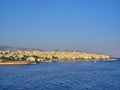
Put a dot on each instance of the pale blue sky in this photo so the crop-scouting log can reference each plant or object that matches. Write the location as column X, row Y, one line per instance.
column 86, row 25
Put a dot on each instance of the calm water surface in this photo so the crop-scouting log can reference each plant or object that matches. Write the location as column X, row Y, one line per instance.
column 62, row 76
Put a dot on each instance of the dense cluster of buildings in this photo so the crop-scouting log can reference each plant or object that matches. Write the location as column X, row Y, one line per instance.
column 49, row 56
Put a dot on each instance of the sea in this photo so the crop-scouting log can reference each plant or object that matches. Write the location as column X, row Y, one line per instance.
column 103, row 75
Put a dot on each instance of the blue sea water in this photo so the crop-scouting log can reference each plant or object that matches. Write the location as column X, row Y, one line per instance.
column 62, row 76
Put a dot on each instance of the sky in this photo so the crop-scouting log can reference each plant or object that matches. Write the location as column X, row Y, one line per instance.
column 85, row 25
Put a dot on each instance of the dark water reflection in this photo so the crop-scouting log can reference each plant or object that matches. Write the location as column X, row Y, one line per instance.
column 62, row 76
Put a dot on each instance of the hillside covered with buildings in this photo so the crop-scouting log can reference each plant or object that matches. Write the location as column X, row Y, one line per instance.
column 49, row 56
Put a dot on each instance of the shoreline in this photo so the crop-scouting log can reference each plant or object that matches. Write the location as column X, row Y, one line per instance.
column 21, row 63
column 16, row 63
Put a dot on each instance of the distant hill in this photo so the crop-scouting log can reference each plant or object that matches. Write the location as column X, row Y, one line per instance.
column 18, row 48
column 4, row 47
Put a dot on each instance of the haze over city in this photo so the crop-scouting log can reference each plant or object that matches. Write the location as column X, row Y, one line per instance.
column 86, row 25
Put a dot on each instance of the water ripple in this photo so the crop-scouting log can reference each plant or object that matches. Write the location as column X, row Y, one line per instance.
column 61, row 76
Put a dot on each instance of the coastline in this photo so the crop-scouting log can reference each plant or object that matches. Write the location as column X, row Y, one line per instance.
column 21, row 63
column 8, row 58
